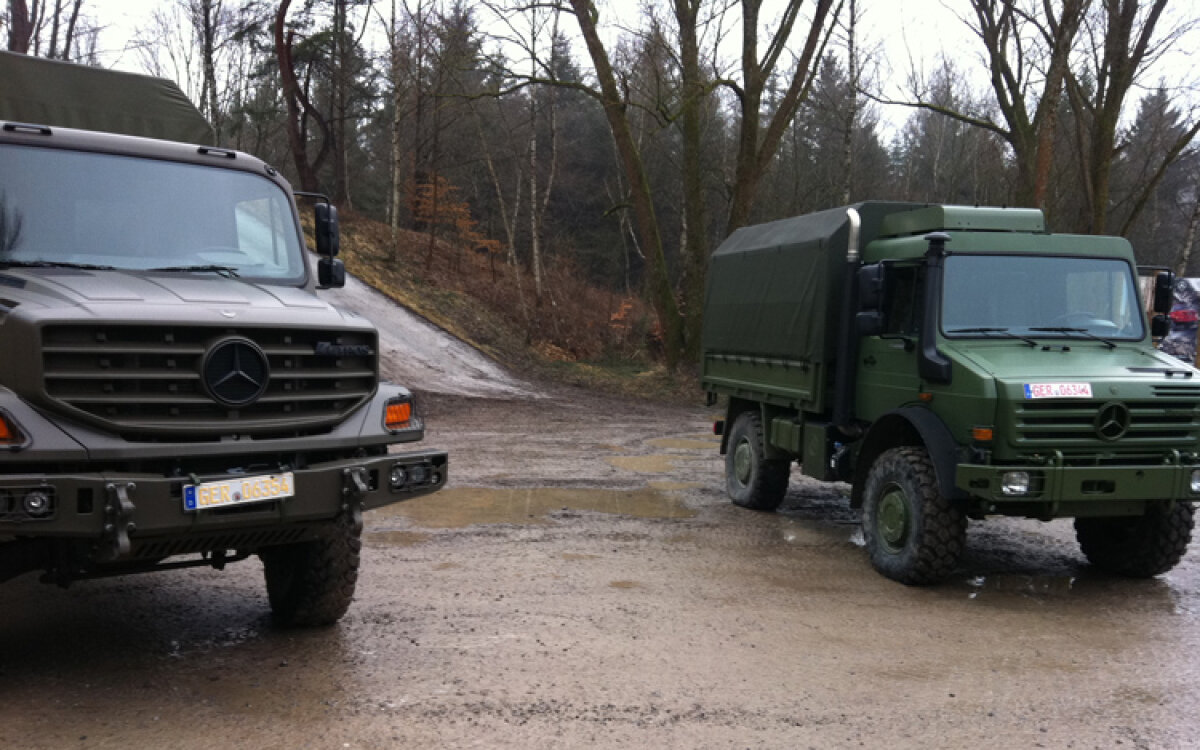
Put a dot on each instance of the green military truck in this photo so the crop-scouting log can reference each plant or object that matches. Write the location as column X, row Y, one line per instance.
column 173, row 392
column 953, row 363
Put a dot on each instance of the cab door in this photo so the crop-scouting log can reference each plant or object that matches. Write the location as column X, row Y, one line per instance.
column 887, row 364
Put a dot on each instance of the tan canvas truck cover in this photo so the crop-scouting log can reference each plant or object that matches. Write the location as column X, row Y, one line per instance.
column 48, row 92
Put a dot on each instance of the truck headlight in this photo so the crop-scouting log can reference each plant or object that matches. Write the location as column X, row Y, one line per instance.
column 1017, row 482
column 1195, row 481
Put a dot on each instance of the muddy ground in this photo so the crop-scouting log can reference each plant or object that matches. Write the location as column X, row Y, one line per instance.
column 585, row 583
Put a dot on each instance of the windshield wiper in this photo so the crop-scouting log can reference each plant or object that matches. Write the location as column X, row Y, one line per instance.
column 1004, row 331
column 228, row 272
column 53, row 264
column 1084, row 331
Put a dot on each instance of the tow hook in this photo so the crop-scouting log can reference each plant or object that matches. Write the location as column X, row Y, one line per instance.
column 118, row 520
column 354, row 488
column 355, row 485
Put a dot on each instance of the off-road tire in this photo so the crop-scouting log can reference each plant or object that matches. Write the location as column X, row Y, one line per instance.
column 1138, row 546
column 913, row 534
column 311, row 584
column 751, row 480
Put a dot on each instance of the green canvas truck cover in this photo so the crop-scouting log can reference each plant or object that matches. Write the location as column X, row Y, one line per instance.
column 38, row 91
column 774, row 290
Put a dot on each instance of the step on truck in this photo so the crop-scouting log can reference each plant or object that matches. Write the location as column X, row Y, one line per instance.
column 953, row 363
column 173, row 392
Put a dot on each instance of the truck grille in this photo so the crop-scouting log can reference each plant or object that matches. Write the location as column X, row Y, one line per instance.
column 1138, row 425
column 159, row 382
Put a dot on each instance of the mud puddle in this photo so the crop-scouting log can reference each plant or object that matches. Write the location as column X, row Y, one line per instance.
column 469, row 506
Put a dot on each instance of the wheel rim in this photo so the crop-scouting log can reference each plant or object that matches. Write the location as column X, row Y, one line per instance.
column 743, row 462
column 893, row 519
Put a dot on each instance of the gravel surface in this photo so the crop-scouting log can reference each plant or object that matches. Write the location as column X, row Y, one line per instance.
column 585, row 583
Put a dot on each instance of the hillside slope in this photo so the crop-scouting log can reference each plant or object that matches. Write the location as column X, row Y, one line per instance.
column 578, row 334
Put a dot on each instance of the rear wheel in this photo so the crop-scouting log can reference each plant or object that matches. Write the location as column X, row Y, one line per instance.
column 312, row 583
column 1138, row 546
column 913, row 534
column 752, row 480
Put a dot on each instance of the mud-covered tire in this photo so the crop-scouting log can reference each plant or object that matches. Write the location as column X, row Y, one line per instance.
column 311, row 584
column 751, row 480
column 913, row 534
column 1138, row 546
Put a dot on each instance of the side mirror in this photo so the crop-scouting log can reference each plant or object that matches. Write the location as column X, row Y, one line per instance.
column 331, row 273
column 1160, row 326
column 326, row 229
column 872, row 280
column 872, row 286
column 1164, row 292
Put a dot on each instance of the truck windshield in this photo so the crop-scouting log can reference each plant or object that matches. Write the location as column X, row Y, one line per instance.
column 1040, row 296
column 78, row 208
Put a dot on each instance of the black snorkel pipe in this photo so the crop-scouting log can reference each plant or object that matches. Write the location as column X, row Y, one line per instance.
column 932, row 365
column 847, row 348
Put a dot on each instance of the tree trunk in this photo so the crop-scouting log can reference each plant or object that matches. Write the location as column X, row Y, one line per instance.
column 695, row 215
column 20, row 27
column 1189, row 240
column 757, row 147
column 297, row 107
column 662, row 298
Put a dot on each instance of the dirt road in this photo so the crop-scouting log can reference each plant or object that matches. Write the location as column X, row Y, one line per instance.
column 584, row 583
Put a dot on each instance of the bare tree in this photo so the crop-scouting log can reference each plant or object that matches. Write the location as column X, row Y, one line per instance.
column 615, row 104
column 758, row 142
column 299, row 108
column 1123, row 39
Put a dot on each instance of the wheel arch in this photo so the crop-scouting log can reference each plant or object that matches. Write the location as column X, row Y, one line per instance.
column 766, row 412
column 909, row 426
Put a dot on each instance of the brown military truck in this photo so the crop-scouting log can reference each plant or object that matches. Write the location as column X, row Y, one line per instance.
column 173, row 392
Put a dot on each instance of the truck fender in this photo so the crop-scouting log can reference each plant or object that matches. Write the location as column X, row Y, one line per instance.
column 911, row 425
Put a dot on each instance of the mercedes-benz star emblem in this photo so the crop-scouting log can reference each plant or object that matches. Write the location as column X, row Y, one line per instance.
column 235, row 371
column 1112, row 421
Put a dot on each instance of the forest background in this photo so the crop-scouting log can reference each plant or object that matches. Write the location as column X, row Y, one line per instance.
column 593, row 155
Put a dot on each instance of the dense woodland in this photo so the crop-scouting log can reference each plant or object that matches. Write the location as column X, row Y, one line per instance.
column 621, row 142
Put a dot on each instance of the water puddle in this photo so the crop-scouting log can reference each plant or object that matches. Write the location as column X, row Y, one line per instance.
column 468, row 506
column 686, row 444
column 395, row 538
column 644, row 464
column 1041, row 585
column 667, row 486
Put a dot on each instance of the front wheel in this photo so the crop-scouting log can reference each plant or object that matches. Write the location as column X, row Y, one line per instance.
column 751, row 480
column 914, row 535
column 312, row 583
column 1138, row 546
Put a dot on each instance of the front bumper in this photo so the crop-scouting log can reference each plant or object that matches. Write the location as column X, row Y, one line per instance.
column 143, row 515
column 1064, row 491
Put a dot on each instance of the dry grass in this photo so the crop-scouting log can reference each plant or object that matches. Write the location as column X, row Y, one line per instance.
column 579, row 334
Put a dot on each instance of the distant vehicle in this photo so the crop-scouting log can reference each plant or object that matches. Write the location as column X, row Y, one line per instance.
column 953, row 363
column 173, row 393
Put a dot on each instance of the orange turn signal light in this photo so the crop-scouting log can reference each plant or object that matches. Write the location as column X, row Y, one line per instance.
column 981, row 434
column 8, row 432
column 399, row 414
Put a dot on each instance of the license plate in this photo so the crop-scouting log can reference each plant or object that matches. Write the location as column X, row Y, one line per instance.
column 226, row 492
column 1058, row 390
